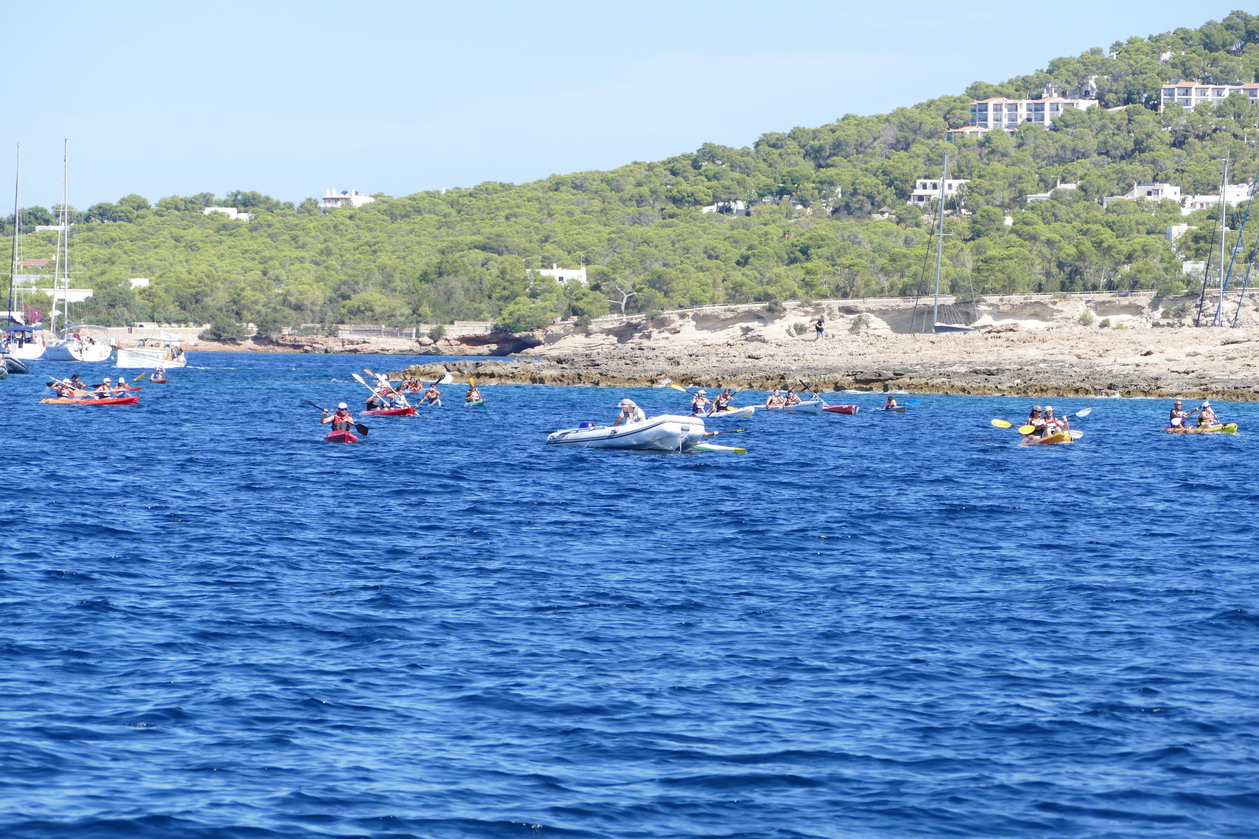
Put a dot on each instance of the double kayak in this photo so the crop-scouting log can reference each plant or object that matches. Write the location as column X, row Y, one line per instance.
column 665, row 433
column 813, row 406
column 1225, row 428
column 842, row 409
column 108, row 400
column 1058, row 437
column 340, row 437
column 732, row 413
column 408, row 411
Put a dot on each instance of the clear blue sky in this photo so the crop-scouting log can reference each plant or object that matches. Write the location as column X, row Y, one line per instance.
column 385, row 96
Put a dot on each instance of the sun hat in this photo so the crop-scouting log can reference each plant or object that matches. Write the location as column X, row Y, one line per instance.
column 1048, row 408
column 628, row 403
column 1037, row 408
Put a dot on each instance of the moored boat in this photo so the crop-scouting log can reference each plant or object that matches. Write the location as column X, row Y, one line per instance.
column 105, row 400
column 665, row 433
column 151, row 353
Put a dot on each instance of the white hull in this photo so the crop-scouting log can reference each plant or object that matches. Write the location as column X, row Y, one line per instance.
column 31, row 350
column 148, row 358
column 734, row 413
column 75, row 349
column 665, row 433
column 813, row 406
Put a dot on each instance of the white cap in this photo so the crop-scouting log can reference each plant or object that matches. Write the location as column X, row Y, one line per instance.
column 108, row 380
column 628, row 403
column 341, row 405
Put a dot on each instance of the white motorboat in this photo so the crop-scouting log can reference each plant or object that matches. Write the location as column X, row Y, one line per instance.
column 80, row 342
column 812, row 406
column 665, row 433
column 23, row 343
column 151, row 353
column 733, row 413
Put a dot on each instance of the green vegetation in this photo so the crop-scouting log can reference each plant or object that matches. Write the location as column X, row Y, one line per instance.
column 808, row 233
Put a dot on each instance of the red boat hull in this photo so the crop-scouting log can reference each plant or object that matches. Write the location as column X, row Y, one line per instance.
column 390, row 412
column 842, row 409
column 112, row 400
column 340, row 437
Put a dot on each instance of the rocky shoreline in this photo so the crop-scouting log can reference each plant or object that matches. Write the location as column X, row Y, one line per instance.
column 1130, row 345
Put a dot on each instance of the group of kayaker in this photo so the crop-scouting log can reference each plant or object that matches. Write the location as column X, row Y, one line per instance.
column 75, row 388
column 1045, row 424
column 782, row 399
column 1206, row 414
column 701, row 406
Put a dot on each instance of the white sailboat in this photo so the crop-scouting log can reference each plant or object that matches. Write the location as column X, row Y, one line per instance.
column 22, row 342
column 77, row 341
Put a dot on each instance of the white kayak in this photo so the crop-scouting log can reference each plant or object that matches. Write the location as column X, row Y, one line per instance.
column 714, row 447
column 733, row 413
column 665, row 433
column 813, row 406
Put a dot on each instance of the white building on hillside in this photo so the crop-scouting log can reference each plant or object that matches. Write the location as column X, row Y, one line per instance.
column 333, row 199
column 230, row 212
column 928, row 189
column 1193, row 94
column 1234, row 194
column 1044, row 196
column 1148, row 191
column 1009, row 114
column 563, row 276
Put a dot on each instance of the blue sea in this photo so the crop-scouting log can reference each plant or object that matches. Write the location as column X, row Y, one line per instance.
column 213, row 624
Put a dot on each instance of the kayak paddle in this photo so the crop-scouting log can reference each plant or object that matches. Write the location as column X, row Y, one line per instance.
column 359, row 427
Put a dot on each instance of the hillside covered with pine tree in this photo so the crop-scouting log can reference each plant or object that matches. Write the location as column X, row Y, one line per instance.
column 808, row 214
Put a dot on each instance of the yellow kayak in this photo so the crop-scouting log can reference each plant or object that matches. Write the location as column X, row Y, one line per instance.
column 1058, row 437
column 1225, row 428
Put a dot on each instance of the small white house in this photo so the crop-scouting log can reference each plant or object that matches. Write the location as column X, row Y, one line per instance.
column 564, row 276
column 333, row 199
column 138, row 282
column 932, row 189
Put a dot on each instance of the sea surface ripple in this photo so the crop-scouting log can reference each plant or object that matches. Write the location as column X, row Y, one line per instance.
column 216, row 625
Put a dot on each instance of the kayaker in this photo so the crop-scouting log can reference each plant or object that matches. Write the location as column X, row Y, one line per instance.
column 1052, row 424
column 474, row 395
column 1178, row 414
column 722, row 402
column 891, row 404
column 1036, row 418
column 375, row 402
column 774, row 400
column 1206, row 415
column 700, row 403
column 792, row 398
column 433, row 396
column 77, row 383
column 630, row 412
column 341, row 420
column 106, row 387
column 819, row 328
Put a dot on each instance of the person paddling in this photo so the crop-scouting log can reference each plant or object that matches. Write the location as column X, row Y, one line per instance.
column 433, row 396
column 474, row 395
column 341, row 420
column 700, row 403
column 891, row 404
column 1054, row 425
column 1206, row 415
column 1179, row 414
column 630, row 412
column 722, row 402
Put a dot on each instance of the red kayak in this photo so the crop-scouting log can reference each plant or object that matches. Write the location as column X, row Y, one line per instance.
column 340, row 437
column 842, row 409
column 408, row 411
column 109, row 400
column 155, row 380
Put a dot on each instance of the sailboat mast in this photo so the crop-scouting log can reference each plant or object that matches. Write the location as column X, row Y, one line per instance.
column 17, row 225
column 61, row 265
column 1215, row 321
column 935, row 309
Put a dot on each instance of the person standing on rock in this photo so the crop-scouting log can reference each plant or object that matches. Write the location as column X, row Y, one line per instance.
column 819, row 328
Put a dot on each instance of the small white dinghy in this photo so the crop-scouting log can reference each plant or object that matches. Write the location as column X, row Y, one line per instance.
column 665, row 433
column 733, row 413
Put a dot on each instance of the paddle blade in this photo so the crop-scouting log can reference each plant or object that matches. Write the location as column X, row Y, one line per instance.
column 1084, row 413
column 1000, row 423
column 362, row 429
column 1177, row 421
column 359, row 379
column 677, row 387
column 1075, row 435
column 369, row 372
column 141, row 376
column 1026, row 429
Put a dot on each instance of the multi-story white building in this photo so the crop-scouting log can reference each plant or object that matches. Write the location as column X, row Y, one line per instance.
column 1148, row 191
column 1009, row 114
column 929, row 189
column 1234, row 194
column 333, row 199
column 1193, row 94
